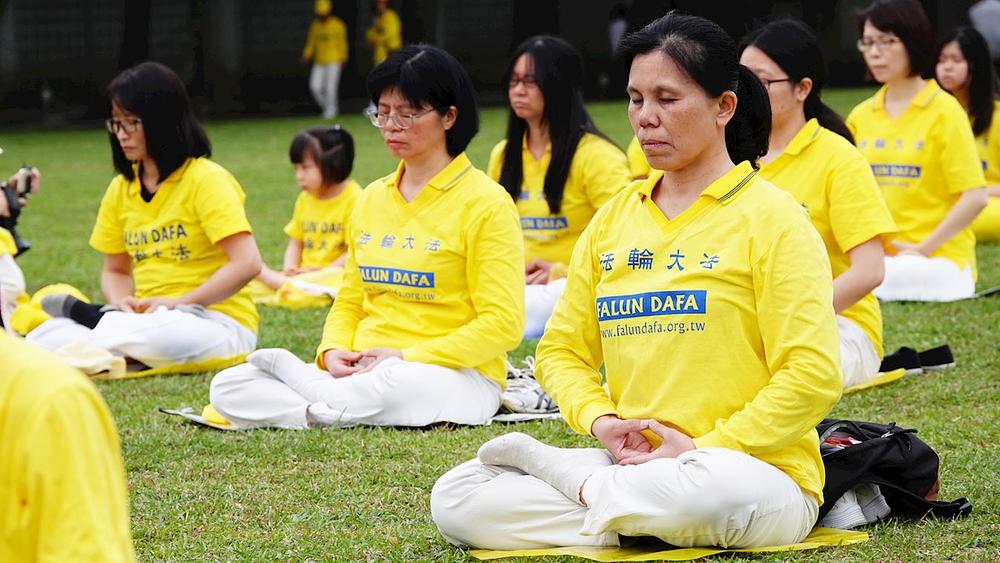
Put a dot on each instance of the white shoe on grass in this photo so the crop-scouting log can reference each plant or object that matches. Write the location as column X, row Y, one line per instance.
column 523, row 393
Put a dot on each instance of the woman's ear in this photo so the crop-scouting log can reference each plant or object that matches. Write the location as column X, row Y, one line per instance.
column 449, row 118
column 727, row 107
column 803, row 88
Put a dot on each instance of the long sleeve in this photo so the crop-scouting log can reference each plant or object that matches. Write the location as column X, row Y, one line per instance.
column 794, row 306
column 570, row 354
column 347, row 311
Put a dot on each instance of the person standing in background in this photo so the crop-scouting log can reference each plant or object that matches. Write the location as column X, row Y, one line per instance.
column 386, row 32
column 326, row 47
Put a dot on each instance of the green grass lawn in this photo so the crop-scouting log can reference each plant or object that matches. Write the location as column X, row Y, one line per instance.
column 362, row 494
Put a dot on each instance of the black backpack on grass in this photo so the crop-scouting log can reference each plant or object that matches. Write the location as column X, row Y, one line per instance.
column 902, row 465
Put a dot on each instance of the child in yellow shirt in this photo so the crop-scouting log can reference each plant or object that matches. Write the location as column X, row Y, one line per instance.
column 811, row 154
column 178, row 249
column 326, row 48
column 705, row 293
column 917, row 139
column 431, row 299
column 317, row 241
column 965, row 70
column 565, row 170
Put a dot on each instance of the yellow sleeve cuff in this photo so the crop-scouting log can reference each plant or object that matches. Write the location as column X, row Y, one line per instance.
column 715, row 439
column 591, row 412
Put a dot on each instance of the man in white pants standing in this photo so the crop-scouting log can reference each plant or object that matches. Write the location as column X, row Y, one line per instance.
column 326, row 47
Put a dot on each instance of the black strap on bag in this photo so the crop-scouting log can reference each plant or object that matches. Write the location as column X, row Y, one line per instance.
column 903, row 466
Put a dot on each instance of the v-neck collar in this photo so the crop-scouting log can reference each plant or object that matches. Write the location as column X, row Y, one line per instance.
column 446, row 179
column 722, row 191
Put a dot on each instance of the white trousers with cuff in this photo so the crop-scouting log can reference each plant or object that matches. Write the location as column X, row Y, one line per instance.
column 704, row 497
column 919, row 278
column 324, row 83
column 162, row 338
column 539, row 301
column 394, row 393
column 859, row 360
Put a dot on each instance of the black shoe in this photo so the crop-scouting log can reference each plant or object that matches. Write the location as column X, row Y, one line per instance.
column 936, row 359
column 905, row 358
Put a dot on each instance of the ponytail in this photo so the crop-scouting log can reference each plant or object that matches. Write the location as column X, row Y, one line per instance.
column 829, row 119
column 748, row 131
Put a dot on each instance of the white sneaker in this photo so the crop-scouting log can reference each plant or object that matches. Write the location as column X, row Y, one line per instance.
column 845, row 514
column 872, row 502
column 523, row 393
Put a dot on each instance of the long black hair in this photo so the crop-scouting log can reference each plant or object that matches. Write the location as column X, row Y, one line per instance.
column 908, row 21
column 708, row 55
column 794, row 48
column 983, row 85
column 157, row 96
column 558, row 71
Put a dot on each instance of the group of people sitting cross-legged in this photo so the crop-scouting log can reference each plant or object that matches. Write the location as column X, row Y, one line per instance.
column 750, row 232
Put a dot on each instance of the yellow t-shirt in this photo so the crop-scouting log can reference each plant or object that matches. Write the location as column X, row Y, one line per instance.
column 326, row 42
column 173, row 239
column 440, row 278
column 987, row 224
column 718, row 323
column 598, row 172
column 385, row 35
column 7, row 244
column 923, row 160
column 834, row 183
column 62, row 482
column 320, row 224
column 638, row 166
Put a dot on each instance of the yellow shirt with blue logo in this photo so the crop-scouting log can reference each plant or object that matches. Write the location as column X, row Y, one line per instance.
column 834, row 183
column 173, row 239
column 718, row 322
column 326, row 42
column 638, row 166
column 320, row 225
column 987, row 224
column 440, row 277
column 923, row 159
column 62, row 481
column 598, row 172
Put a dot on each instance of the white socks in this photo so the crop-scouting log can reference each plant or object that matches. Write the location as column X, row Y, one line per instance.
column 566, row 469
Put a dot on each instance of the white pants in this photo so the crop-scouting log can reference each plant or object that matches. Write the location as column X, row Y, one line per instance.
column 324, row 82
column 859, row 360
column 395, row 393
column 12, row 282
column 165, row 337
column 539, row 300
column 705, row 497
column 918, row 278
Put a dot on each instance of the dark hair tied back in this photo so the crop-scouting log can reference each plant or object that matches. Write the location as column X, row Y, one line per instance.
column 707, row 54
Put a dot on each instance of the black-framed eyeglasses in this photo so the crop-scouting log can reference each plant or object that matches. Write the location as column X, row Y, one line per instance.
column 767, row 83
column 400, row 120
column 528, row 81
column 128, row 125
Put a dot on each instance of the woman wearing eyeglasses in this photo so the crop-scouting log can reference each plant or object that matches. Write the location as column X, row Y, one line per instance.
column 922, row 151
column 811, row 154
column 178, row 249
column 564, row 171
column 431, row 299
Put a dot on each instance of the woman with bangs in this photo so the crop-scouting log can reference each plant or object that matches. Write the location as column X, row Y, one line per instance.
column 178, row 249
column 431, row 297
column 965, row 70
column 565, row 170
column 917, row 139
column 811, row 154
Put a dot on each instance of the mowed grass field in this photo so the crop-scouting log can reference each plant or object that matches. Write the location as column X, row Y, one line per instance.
column 362, row 494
